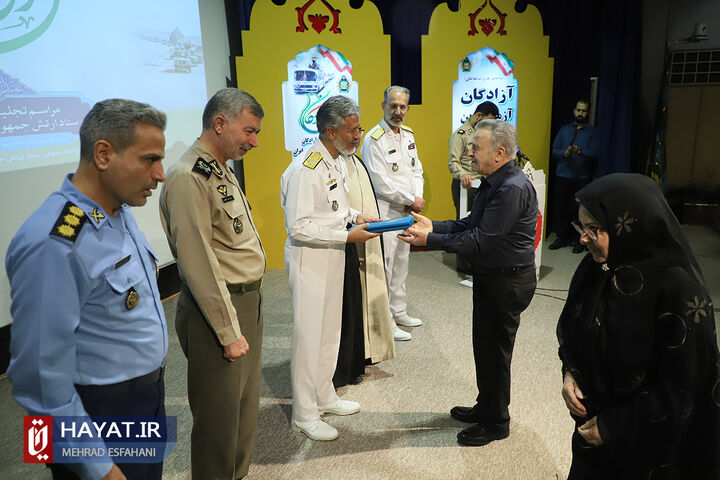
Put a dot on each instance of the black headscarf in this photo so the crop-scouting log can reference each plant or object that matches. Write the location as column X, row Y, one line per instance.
column 642, row 228
column 638, row 335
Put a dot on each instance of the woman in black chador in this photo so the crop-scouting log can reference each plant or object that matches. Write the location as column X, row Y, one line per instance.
column 638, row 342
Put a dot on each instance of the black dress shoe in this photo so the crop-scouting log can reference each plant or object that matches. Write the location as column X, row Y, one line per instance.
column 480, row 434
column 578, row 248
column 558, row 243
column 355, row 380
column 465, row 414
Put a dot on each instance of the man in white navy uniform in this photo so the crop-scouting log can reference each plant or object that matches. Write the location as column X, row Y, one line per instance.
column 391, row 157
column 314, row 197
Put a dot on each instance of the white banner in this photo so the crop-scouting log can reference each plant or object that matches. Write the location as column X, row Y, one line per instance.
column 484, row 76
column 313, row 76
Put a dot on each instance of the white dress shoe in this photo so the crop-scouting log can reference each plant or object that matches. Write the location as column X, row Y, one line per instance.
column 315, row 430
column 400, row 335
column 341, row 407
column 407, row 321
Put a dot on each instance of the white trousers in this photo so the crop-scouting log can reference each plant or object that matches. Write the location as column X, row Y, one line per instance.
column 397, row 257
column 316, row 277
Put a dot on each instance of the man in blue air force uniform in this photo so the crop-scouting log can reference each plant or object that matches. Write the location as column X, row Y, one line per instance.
column 89, row 334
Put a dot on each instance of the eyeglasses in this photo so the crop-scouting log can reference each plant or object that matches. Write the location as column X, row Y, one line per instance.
column 589, row 230
column 358, row 129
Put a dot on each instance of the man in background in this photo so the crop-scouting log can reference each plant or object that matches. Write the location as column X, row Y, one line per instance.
column 459, row 162
column 88, row 333
column 575, row 152
column 221, row 262
column 391, row 157
column 460, row 167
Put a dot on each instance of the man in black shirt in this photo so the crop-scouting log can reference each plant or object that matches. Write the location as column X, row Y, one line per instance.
column 499, row 239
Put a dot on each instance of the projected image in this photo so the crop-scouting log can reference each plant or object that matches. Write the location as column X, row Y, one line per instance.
column 313, row 76
column 58, row 58
column 172, row 52
column 483, row 76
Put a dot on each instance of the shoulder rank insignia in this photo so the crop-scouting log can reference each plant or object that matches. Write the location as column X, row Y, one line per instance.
column 461, row 132
column 312, row 160
column 215, row 167
column 405, row 127
column 379, row 132
column 202, row 167
column 69, row 222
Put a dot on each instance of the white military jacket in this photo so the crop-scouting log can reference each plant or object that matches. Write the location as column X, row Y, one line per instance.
column 393, row 164
column 314, row 197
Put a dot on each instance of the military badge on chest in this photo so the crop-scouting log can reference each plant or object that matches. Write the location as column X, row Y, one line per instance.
column 394, row 167
column 238, row 225
column 133, row 298
column 222, row 190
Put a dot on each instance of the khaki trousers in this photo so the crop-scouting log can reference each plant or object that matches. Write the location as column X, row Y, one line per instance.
column 224, row 396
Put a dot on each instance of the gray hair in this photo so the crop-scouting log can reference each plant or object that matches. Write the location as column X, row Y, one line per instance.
column 502, row 134
column 230, row 102
column 396, row 87
column 114, row 120
column 332, row 113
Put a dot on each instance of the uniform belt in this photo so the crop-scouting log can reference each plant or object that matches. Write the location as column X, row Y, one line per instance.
column 244, row 287
column 507, row 271
column 122, row 388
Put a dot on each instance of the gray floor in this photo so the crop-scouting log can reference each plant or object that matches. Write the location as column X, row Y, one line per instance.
column 404, row 430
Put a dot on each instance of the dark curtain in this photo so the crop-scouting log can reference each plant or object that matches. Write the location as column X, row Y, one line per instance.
column 619, row 120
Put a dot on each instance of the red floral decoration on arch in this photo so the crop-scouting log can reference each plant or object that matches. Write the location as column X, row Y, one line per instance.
column 487, row 25
column 317, row 20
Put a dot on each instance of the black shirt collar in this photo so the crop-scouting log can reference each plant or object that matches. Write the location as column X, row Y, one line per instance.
column 494, row 177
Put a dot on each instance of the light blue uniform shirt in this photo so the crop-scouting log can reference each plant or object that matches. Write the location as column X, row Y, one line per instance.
column 71, row 271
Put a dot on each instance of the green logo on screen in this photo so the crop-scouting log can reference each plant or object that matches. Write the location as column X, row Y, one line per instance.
column 24, row 21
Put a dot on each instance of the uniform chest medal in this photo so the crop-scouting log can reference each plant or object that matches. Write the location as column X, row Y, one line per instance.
column 238, row 225
column 132, row 299
column 222, row 189
column 335, row 205
column 395, row 167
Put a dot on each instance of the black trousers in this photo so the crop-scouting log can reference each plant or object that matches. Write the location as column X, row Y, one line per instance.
column 498, row 299
column 148, row 401
column 565, row 208
column 463, row 264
